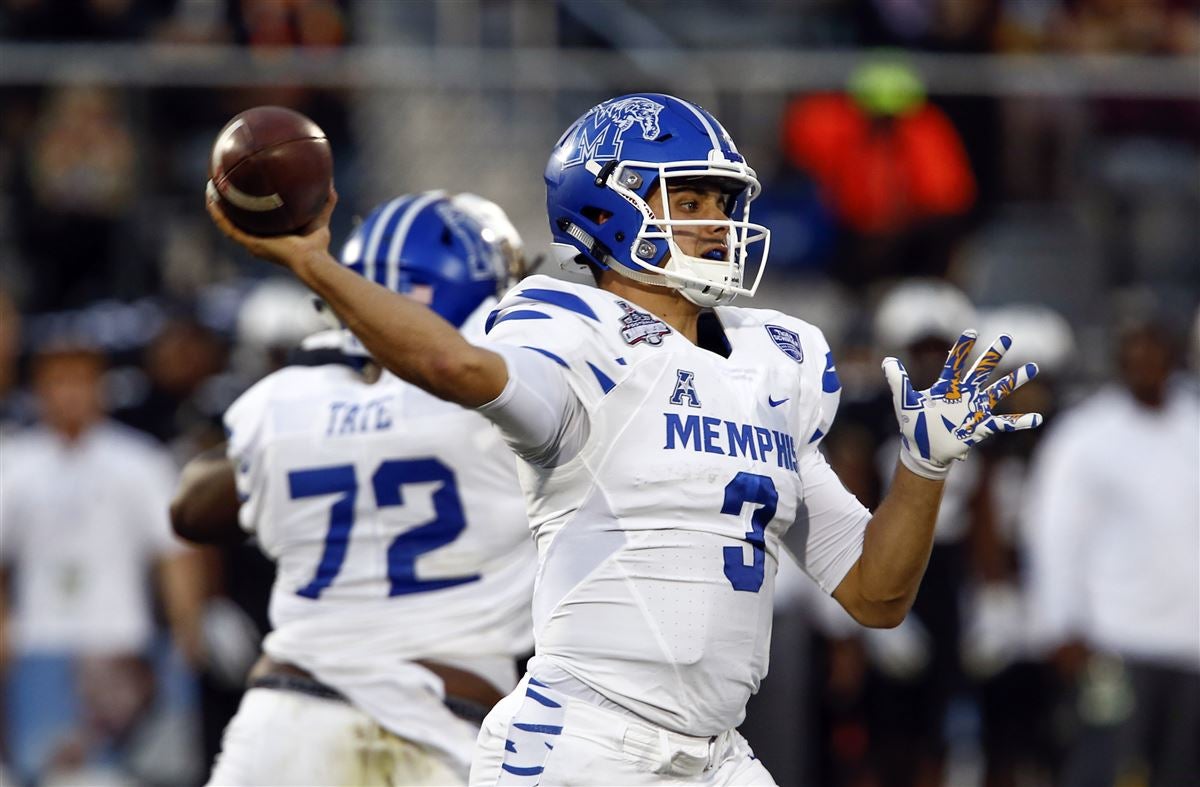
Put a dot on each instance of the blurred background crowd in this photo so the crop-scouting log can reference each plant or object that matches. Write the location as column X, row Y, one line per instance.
column 928, row 165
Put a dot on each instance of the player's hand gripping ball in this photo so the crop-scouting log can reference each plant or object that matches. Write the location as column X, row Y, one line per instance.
column 271, row 170
column 939, row 424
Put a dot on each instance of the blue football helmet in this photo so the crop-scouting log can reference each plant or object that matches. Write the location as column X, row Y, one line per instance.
column 607, row 164
column 424, row 246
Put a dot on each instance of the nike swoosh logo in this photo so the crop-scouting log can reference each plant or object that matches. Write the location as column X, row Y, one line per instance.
column 774, row 403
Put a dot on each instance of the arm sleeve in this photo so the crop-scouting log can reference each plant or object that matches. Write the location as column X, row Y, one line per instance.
column 831, row 397
column 538, row 414
column 827, row 537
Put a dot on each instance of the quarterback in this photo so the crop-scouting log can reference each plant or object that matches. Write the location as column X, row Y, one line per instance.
column 404, row 562
column 667, row 441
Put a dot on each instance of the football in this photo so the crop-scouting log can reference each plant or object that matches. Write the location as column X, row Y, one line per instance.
column 271, row 168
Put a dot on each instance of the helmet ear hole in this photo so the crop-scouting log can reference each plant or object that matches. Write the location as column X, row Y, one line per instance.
column 596, row 215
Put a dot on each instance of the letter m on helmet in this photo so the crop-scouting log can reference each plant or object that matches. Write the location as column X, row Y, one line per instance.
column 597, row 136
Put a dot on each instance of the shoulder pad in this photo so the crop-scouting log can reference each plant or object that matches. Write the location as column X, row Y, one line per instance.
column 545, row 298
column 802, row 342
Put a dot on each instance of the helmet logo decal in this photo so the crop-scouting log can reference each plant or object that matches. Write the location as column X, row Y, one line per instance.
column 787, row 341
column 598, row 135
column 638, row 327
column 480, row 264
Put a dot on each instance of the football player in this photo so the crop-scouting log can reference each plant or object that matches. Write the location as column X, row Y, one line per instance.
column 667, row 442
column 404, row 562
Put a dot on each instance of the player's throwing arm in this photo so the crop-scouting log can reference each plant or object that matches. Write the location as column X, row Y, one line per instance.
column 406, row 337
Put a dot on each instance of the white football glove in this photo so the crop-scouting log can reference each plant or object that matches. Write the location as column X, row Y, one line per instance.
column 941, row 423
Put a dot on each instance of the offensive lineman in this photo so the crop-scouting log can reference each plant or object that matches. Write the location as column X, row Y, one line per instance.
column 404, row 561
column 667, row 443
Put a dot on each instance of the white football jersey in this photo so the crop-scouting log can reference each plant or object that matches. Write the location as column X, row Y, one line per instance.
column 659, row 540
column 398, row 529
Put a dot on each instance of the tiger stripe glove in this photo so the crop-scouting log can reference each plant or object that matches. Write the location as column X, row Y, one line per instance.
column 941, row 423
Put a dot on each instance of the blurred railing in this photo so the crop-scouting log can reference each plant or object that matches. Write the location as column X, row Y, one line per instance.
column 481, row 118
column 539, row 69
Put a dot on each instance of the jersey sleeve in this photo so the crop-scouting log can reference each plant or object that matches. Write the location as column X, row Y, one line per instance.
column 824, row 371
column 559, row 369
column 539, row 416
column 245, row 424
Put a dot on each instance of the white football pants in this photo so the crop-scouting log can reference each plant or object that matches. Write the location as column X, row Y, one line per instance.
column 281, row 737
column 540, row 736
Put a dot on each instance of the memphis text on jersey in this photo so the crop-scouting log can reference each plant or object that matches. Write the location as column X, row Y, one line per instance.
column 712, row 435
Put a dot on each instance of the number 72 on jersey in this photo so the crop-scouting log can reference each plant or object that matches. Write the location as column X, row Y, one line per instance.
column 387, row 484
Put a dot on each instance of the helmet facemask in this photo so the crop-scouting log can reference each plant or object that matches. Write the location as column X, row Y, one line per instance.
column 703, row 280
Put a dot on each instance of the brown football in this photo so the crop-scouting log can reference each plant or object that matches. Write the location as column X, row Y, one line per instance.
column 272, row 169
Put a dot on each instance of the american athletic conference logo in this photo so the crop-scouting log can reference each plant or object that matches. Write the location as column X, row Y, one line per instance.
column 598, row 136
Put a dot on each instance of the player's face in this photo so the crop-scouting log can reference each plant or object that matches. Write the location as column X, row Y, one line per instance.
column 696, row 200
column 1146, row 360
column 68, row 390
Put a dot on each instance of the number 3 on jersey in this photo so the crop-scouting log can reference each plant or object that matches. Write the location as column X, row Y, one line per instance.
column 749, row 488
column 387, row 483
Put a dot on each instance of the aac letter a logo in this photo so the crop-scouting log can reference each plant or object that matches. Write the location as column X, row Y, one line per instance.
column 685, row 388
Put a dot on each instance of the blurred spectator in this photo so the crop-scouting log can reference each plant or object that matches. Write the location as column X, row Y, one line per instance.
column 83, row 504
column 274, row 318
column 10, row 347
column 78, row 187
column 1114, row 527
column 893, row 168
column 178, row 362
column 308, row 23
column 1126, row 26
column 912, row 679
column 61, row 20
column 1016, row 690
column 194, row 22
column 1043, row 133
column 943, row 25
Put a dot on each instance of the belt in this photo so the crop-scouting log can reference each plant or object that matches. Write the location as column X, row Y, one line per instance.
column 468, row 696
column 309, row 686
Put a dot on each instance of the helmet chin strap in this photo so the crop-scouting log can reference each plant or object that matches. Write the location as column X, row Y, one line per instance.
column 707, row 294
column 706, row 298
column 702, row 294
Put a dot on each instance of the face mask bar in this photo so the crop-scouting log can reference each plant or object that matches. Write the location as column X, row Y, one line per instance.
column 703, row 281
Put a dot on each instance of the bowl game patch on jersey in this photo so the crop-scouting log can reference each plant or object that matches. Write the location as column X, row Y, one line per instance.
column 638, row 326
column 787, row 341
